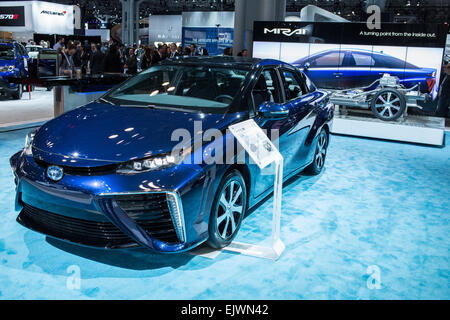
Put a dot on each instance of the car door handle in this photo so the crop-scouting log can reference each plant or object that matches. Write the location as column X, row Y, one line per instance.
column 337, row 74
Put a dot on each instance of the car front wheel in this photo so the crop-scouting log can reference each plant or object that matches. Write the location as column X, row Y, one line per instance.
column 228, row 210
column 18, row 94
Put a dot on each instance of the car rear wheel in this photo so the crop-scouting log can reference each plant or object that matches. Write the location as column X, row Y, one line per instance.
column 320, row 154
column 228, row 210
column 388, row 104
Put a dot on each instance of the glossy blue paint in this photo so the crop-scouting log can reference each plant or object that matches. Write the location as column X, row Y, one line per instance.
column 100, row 134
column 18, row 62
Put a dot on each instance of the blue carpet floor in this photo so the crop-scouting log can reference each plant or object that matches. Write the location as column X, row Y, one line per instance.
column 379, row 211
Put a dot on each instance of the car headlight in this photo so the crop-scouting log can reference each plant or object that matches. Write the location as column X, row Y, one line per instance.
column 153, row 163
column 6, row 68
column 27, row 150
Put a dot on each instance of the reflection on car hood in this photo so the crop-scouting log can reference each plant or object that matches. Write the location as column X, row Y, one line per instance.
column 6, row 62
column 101, row 132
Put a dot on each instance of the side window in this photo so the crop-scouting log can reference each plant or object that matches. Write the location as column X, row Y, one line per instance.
column 389, row 62
column 332, row 59
column 293, row 85
column 19, row 49
column 363, row 60
column 266, row 89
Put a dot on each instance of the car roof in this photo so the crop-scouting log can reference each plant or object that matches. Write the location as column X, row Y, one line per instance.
column 349, row 49
column 7, row 44
column 224, row 61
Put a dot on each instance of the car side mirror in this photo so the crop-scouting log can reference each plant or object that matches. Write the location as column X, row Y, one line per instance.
column 272, row 110
column 306, row 66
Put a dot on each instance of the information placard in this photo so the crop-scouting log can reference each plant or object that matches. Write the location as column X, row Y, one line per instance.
column 255, row 142
column 263, row 152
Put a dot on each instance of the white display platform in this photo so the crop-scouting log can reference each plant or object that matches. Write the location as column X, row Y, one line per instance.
column 414, row 129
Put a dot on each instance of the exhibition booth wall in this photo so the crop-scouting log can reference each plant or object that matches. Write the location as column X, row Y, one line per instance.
column 348, row 55
column 164, row 28
column 24, row 18
column 210, row 30
column 350, row 61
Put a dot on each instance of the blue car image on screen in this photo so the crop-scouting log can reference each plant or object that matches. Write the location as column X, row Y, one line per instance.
column 105, row 174
column 355, row 68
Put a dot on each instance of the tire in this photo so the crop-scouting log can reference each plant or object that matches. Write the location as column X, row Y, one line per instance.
column 221, row 231
column 320, row 154
column 388, row 104
column 18, row 94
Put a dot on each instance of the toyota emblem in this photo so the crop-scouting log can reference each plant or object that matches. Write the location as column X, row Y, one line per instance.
column 55, row 173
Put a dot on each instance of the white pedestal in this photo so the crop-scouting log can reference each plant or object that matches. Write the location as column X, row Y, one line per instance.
column 414, row 129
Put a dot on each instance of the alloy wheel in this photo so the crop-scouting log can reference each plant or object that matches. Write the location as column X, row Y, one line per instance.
column 388, row 104
column 230, row 209
column 321, row 150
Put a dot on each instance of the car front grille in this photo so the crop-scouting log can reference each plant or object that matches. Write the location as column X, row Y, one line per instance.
column 151, row 213
column 82, row 171
column 86, row 232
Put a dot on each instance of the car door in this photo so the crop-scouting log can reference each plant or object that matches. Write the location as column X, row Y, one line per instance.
column 285, row 133
column 267, row 88
column 302, row 114
column 356, row 70
column 323, row 69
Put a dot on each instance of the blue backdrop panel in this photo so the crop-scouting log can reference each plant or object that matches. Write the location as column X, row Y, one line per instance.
column 215, row 40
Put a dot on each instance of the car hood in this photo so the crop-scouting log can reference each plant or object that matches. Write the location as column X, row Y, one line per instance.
column 98, row 134
column 7, row 62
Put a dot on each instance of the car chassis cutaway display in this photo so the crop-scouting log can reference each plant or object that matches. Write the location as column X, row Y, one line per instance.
column 385, row 97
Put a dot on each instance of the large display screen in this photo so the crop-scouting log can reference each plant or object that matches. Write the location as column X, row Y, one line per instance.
column 12, row 16
column 215, row 40
column 348, row 55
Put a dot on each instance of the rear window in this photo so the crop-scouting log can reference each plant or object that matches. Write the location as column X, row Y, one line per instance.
column 7, row 53
column 382, row 61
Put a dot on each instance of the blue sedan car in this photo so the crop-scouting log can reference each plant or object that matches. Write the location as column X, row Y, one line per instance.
column 115, row 173
column 345, row 69
column 13, row 62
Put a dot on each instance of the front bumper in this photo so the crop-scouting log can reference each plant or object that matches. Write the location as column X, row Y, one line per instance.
column 5, row 86
column 90, row 211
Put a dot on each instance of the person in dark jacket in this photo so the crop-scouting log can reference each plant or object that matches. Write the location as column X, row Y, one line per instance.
column 444, row 94
column 131, row 63
column 96, row 59
column 112, row 63
column 158, row 55
column 173, row 52
column 81, row 58
column 147, row 58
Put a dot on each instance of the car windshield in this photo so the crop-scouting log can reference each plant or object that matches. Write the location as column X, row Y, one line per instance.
column 34, row 49
column 181, row 87
column 6, row 53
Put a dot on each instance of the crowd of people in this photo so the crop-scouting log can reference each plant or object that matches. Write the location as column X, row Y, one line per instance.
column 112, row 57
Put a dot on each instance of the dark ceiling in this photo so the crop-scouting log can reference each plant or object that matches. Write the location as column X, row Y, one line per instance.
column 423, row 10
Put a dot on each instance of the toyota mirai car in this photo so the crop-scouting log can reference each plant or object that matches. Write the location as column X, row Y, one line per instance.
column 140, row 166
column 345, row 69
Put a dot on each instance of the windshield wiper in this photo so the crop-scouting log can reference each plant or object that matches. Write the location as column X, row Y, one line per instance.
column 107, row 101
column 149, row 106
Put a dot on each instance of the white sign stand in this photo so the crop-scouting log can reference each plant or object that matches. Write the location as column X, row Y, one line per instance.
column 263, row 152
